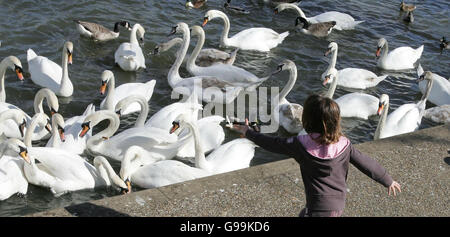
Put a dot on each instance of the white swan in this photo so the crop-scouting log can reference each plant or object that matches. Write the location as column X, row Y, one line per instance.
column 343, row 21
column 12, row 178
column 48, row 74
column 129, row 56
column 404, row 119
column 211, row 131
column 259, row 38
column 356, row 78
column 99, row 32
column 158, row 174
column 159, row 143
column 400, row 58
column 236, row 76
column 40, row 132
column 18, row 119
column 9, row 62
column 71, row 127
column 440, row 92
column 358, row 105
column 59, row 170
column 115, row 94
column 207, row 88
column 230, row 156
column 288, row 115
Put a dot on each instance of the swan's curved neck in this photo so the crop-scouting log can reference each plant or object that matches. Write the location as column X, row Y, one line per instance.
column 109, row 103
column 333, row 86
column 288, row 87
column 381, row 122
column 140, row 121
column 3, row 67
column 332, row 63
column 174, row 75
column 190, row 64
column 425, row 96
column 385, row 51
column 226, row 29
column 131, row 162
column 65, row 81
column 133, row 37
column 111, row 175
column 55, row 133
column 200, row 160
column 30, row 128
column 296, row 8
column 42, row 94
column 114, row 123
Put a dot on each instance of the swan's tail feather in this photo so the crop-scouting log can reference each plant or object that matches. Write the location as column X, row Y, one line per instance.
column 90, row 109
column 31, row 54
column 380, row 78
column 419, row 70
column 256, row 84
column 419, row 51
column 283, row 35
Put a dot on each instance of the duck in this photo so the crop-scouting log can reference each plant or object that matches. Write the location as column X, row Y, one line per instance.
column 444, row 44
column 343, row 21
column 12, row 177
column 129, row 55
column 59, row 170
column 356, row 78
column 210, row 129
column 233, row 75
column 288, row 115
column 69, row 129
column 41, row 132
column 195, row 3
column 227, row 5
column 440, row 92
column 207, row 88
column 356, row 104
column 258, row 38
column 159, row 143
column 115, row 94
column 157, row 174
column 407, row 7
column 48, row 74
column 401, row 58
column 233, row 155
column 99, row 32
column 438, row 114
column 406, row 118
column 321, row 29
column 14, row 64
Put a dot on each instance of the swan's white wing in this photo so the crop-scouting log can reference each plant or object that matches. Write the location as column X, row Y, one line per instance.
column 45, row 72
column 439, row 114
column 129, row 57
column 262, row 39
column 164, row 173
column 343, row 21
column 405, row 118
column 233, row 75
column 12, row 179
column 359, row 105
column 232, row 155
column 163, row 118
column 358, row 78
column 403, row 58
column 132, row 88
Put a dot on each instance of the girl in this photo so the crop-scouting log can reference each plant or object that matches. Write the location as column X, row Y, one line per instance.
column 324, row 155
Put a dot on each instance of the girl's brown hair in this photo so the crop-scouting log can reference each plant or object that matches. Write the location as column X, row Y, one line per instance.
column 322, row 115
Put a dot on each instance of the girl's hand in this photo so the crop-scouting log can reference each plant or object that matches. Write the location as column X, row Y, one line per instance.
column 394, row 186
column 242, row 129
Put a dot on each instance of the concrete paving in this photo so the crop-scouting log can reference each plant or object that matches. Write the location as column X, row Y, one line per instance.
column 419, row 161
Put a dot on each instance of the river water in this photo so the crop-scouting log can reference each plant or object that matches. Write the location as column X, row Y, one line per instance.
column 45, row 25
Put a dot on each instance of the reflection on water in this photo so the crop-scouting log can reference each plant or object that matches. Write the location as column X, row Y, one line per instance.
column 45, row 25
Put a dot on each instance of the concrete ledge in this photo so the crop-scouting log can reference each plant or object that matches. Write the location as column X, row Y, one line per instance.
column 419, row 161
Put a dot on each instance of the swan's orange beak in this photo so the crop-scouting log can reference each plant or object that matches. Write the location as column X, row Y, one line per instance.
column 175, row 126
column 84, row 129
column 325, row 82
column 378, row 52
column 61, row 134
column 380, row 108
column 24, row 154
column 205, row 20
column 19, row 73
column 103, row 88
column 69, row 58
column 128, row 183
